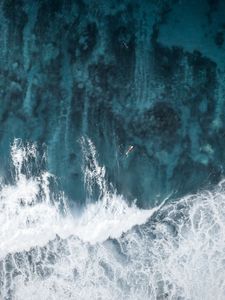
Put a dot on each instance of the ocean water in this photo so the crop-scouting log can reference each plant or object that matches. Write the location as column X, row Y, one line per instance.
column 110, row 249
column 112, row 152
column 144, row 73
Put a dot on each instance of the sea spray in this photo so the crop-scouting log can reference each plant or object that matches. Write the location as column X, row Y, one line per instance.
column 112, row 250
column 179, row 253
column 38, row 231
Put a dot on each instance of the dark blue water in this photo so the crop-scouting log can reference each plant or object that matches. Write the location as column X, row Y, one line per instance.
column 143, row 73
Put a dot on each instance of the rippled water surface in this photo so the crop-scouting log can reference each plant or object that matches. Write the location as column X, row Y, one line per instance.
column 112, row 149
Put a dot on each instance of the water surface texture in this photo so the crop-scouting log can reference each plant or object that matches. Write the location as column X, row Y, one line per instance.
column 112, row 152
column 143, row 73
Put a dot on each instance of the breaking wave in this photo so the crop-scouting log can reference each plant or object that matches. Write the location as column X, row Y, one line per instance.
column 111, row 250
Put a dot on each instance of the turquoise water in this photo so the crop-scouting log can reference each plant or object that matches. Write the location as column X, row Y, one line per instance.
column 112, row 149
column 148, row 74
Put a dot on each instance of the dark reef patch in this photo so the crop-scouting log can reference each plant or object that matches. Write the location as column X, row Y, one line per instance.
column 102, row 69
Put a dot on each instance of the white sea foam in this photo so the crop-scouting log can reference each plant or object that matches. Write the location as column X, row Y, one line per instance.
column 46, row 253
column 110, row 216
column 29, row 216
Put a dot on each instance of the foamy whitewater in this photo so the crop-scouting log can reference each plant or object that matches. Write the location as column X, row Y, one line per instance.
column 110, row 250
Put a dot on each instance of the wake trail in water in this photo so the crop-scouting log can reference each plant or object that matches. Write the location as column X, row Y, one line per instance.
column 112, row 250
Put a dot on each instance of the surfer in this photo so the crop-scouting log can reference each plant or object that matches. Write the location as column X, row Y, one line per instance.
column 131, row 148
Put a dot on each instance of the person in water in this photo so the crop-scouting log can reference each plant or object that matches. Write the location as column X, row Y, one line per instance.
column 131, row 148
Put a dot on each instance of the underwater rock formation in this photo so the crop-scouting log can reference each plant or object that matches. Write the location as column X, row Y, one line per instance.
column 143, row 73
